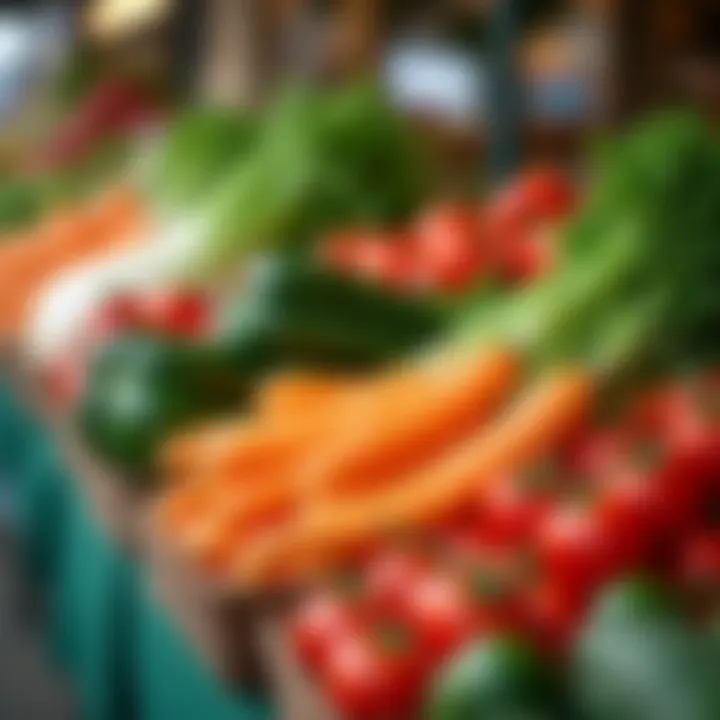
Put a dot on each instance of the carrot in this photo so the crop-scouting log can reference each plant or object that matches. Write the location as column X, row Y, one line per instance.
column 455, row 399
column 235, row 447
column 458, row 397
column 331, row 531
column 291, row 394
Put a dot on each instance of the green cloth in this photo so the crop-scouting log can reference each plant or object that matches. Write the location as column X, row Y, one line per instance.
column 172, row 682
column 88, row 606
column 41, row 495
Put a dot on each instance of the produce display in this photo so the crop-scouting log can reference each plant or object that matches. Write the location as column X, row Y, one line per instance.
column 580, row 587
column 163, row 359
column 317, row 160
column 477, row 440
column 67, row 236
column 454, row 246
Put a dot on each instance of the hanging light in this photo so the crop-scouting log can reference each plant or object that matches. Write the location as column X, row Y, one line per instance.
column 110, row 19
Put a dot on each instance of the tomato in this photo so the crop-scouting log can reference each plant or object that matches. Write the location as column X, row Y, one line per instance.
column 338, row 250
column 389, row 578
column 319, row 623
column 513, row 508
column 385, row 258
column 593, row 453
column 441, row 610
column 632, row 506
column 698, row 571
column 368, row 678
column 526, row 260
column 538, row 194
column 119, row 312
column 575, row 547
column 177, row 312
column 64, row 382
column 448, row 245
column 551, row 614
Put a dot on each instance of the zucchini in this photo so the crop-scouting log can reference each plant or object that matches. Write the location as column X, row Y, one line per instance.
column 639, row 659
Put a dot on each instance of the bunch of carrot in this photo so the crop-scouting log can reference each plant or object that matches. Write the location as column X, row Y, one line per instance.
column 326, row 467
column 64, row 236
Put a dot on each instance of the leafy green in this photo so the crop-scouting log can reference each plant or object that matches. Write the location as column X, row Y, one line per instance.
column 197, row 148
column 640, row 262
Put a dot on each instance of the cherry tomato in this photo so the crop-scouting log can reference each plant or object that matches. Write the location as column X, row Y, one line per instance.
column 593, row 453
column 574, row 547
column 319, row 623
column 389, row 578
column 513, row 508
column 339, row 250
column 383, row 258
column 448, row 245
column 527, row 259
column 370, row 679
column 633, row 509
column 64, row 382
column 551, row 614
column 537, row 194
column 441, row 610
column 177, row 312
column 699, row 570
column 119, row 312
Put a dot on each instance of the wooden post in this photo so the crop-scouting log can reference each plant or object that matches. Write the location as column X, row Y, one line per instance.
column 240, row 52
column 359, row 35
column 504, row 107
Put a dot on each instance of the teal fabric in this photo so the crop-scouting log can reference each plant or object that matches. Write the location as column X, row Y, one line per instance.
column 172, row 682
column 14, row 429
column 41, row 497
column 87, row 614
column 124, row 656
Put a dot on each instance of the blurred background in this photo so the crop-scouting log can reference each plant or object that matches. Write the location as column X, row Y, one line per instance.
column 555, row 68
column 88, row 87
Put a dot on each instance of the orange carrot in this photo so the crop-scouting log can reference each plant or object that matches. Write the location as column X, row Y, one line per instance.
column 455, row 399
column 412, row 432
column 331, row 531
column 291, row 394
column 235, row 447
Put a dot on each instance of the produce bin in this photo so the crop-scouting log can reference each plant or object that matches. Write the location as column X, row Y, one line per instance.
column 297, row 696
column 223, row 623
column 172, row 682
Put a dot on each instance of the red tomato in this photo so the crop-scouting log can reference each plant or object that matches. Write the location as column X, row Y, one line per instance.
column 390, row 577
column 368, row 679
column 526, row 260
column 442, row 612
column 384, row 258
column 119, row 312
column 64, row 382
column 319, row 623
column 551, row 614
column 339, row 250
column 177, row 312
column 576, row 548
column 593, row 454
column 512, row 509
column 633, row 509
column 448, row 245
column 538, row 194
column 699, row 570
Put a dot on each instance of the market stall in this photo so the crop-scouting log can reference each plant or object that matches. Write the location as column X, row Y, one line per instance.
column 294, row 429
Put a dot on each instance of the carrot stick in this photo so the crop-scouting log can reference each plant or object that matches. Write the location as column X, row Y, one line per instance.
column 290, row 394
column 454, row 401
column 410, row 434
column 235, row 447
column 328, row 533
